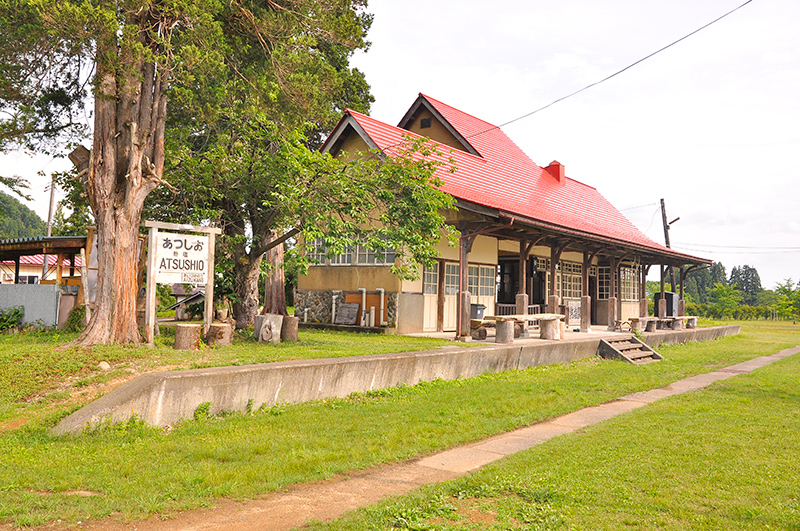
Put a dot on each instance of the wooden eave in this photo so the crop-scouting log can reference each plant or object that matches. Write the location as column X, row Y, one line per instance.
column 514, row 227
column 66, row 245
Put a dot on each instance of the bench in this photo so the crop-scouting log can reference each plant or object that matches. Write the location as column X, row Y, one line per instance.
column 549, row 323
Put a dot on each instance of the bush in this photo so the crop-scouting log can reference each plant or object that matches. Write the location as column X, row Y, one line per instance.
column 11, row 318
column 75, row 321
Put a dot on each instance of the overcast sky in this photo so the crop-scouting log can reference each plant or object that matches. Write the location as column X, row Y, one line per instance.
column 712, row 124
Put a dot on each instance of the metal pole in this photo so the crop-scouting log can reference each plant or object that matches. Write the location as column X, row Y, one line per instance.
column 49, row 223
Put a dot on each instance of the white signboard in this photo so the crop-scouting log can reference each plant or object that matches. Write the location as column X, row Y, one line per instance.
column 181, row 259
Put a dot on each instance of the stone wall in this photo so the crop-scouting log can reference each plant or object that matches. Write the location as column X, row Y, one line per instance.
column 319, row 301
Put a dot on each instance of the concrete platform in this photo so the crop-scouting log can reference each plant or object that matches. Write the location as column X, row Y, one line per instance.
column 164, row 398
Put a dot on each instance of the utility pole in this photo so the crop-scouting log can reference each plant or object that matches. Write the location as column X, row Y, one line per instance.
column 666, row 239
column 49, row 223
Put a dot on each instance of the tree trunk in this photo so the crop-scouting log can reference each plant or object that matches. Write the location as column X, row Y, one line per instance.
column 275, row 284
column 126, row 165
column 245, row 276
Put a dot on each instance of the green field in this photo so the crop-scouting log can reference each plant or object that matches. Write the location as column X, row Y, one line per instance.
column 132, row 471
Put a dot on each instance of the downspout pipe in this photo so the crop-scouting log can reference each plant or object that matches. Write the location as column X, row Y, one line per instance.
column 363, row 292
column 383, row 305
column 333, row 308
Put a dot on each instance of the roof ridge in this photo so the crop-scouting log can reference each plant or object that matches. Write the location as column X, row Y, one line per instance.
column 440, row 102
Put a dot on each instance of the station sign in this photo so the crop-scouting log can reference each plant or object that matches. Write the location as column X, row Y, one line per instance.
column 181, row 258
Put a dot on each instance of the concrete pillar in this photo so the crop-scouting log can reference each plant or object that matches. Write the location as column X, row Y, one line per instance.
column 613, row 313
column 586, row 313
column 662, row 307
column 505, row 332
column 522, row 304
column 552, row 305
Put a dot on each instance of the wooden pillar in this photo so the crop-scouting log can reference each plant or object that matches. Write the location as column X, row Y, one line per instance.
column 59, row 266
column 681, row 302
column 16, row 270
column 661, row 311
column 586, row 298
column 554, row 299
column 440, row 298
column 613, row 316
column 465, row 246
column 521, row 300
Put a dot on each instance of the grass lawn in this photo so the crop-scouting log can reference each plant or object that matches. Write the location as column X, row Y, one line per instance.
column 721, row 458
column 245, row 455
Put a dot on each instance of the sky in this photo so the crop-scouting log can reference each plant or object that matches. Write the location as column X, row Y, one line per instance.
column 711, row 125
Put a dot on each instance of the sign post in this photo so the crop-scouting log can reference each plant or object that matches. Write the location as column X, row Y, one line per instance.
column 179, row 258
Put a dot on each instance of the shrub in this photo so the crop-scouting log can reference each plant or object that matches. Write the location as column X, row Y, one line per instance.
column 11, row 318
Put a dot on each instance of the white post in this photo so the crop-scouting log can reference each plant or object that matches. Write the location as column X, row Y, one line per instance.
column 209, row 313
column 150, row 305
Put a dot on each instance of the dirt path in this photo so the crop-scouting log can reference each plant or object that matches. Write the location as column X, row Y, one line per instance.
column 330, row 499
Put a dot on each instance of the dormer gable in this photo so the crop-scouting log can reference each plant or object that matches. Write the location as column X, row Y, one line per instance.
column 348, row 137
column 423, row 119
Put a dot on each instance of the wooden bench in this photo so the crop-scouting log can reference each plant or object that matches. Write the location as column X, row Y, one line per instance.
column 549, row 323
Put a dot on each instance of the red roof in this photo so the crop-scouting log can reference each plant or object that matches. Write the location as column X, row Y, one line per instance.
column 38, row 260
column 504, row 178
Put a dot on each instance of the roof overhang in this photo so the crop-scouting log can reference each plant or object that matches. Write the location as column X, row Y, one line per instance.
column 66, row 245
column 508, row 225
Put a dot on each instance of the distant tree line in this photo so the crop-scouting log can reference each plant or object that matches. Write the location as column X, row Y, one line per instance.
column 710, row 292
column 18, row 221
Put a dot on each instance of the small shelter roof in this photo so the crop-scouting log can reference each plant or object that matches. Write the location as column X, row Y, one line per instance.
column 16, row 248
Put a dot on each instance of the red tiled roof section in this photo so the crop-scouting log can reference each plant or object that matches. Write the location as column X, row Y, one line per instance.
column 506, row 179
column 38, row 260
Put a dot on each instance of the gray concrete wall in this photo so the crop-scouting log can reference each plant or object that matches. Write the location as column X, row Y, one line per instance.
column 39, row 300
column 670, row 337
column 163, row 398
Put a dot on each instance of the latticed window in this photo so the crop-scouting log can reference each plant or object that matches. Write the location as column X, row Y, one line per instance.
column 369, row 256
column 629, row 283
column 488, row 280
column 451, row 272
column 345, row 258
column 430, row 280
column 473, row 276
column 571, row 280
column 542, row 264
column 317, row 250
column 603, row 283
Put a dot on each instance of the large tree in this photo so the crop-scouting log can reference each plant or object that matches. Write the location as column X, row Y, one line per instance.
column 746, row 280
column 138, row 53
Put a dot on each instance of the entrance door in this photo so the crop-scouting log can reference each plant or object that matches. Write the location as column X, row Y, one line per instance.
column 430, row 295
column 451, row 272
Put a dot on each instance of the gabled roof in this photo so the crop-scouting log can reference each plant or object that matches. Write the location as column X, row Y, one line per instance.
column 495, row 173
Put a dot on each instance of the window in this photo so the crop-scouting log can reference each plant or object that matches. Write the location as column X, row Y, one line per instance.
column 451, row 272
column 629, row 285
column 571, row 280
column 430, row 280
column 603, row 282
column 473, row 274
column 488, row 281
column 369, row 256
column 345, row 258
column 316, row 250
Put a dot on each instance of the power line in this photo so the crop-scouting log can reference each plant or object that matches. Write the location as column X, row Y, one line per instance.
column 640, row 206
column 755, row 247
column 612, row 75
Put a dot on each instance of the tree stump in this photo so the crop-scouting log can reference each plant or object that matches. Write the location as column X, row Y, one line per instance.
column 219, row 334
column 289, row 328
column 550, row 328
column 187, row 336
column 505, row 332
column 268, row 328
